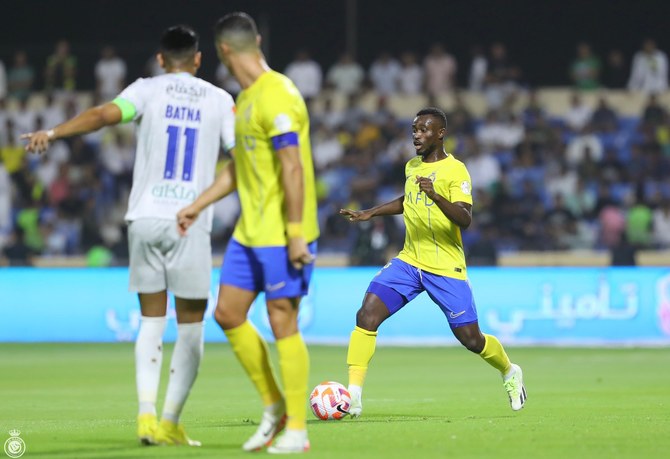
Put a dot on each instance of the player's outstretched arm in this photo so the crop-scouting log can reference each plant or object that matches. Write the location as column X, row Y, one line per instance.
column 394, row 207
column 88, row 121
column 458, row 212
column 223, row 185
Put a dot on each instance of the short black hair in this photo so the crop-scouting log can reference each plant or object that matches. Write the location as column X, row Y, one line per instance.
column 179, row 43
column 238, row 28
column 435, row 112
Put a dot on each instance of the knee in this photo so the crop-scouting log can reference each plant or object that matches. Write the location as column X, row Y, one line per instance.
column 226, row 318
column 368, row 320
column 474, row 343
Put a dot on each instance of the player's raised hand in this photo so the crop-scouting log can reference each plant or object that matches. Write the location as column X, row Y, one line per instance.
column 298, row 252
column 37, row 141
column 356, row 215
column 426, row 185
column 185, row 218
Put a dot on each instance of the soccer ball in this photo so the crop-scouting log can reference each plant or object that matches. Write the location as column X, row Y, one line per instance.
column 330, row 400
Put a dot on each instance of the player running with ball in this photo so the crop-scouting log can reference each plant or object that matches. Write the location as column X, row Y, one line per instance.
column 436, row 205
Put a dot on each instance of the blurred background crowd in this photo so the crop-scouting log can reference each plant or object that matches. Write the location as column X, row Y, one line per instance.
column 575, row 169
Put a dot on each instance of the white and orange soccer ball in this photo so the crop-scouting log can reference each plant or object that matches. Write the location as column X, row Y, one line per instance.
column 330, row 400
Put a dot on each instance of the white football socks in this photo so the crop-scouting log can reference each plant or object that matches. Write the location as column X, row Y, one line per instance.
column 183, row 369
column 148, row 359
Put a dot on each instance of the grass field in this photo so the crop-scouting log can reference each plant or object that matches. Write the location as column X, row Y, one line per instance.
column 78, row 401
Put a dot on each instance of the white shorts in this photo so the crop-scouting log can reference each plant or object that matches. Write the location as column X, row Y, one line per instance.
column 160, row 259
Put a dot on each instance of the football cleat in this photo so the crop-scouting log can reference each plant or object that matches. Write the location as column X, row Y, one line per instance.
column 356, row 407
column 169, row 433
column 146, row 428
column 515, row 388
column 292, row 442
column 271, row 425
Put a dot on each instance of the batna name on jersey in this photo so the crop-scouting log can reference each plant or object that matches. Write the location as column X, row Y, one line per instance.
column 182, row 113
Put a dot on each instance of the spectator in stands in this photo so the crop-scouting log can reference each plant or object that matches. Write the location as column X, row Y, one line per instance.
column 12, row 153
column 385, row 74
column 654, row 113
column 460, row 119
column 326, row 147
column 440, row 71
column 152, row 68
column 500, row 67
column 623, row 253
column 329, row 116
column 533, row 110
column 110, row 74
column 649, row 72
column 559, row 219
column 484, row 169
column 346, row 76
column 585, row 69
column 638, row 222
column 561, row 180
column 5, row 202
column 61, row 69
column 661, row 225
column 3, row 81
column 52, row 113
column 16, row 250
column 612, row 225
column 616, row 72
column 24, row 118
column 478, row 69
column 306, row 74
column 411, row 77
column 604, row 119
column 227, row 81
column 21, row 76
column 611, row 169
column 579, row 113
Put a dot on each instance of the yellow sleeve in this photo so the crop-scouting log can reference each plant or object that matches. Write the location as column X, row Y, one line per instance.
column 281, row 113
column 460, row 188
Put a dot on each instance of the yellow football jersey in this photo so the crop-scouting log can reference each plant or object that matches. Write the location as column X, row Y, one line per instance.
column 432, row 241
column 270, row 107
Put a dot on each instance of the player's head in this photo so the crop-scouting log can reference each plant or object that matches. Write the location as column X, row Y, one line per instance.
column 179, row 48
column 236, row 33
column 428, row 130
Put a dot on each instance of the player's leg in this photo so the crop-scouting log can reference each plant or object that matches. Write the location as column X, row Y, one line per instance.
column 184, row 367
column 241, row 280
column 148, row 361
column 395, row 285
column 284, row 288
column 188, row 265
column 147, row 277
column 455, row 298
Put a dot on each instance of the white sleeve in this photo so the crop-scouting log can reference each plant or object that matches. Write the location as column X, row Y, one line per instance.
column 228, row 124
column 138, row 95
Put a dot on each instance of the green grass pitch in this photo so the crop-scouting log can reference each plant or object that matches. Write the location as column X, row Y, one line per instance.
column 78, row 401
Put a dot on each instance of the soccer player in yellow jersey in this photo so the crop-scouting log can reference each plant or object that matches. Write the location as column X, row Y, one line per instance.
column 436, row 205
column 273, row 245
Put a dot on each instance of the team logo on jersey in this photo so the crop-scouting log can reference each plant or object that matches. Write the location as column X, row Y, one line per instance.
column 465, row 187
column 283, row 122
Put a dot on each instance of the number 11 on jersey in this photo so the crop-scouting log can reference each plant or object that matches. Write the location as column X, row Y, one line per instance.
column 191, row 135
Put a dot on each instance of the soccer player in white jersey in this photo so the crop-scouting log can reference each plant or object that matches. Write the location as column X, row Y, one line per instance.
column 182, row 124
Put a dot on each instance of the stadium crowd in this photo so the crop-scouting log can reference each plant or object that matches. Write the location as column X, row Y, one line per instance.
column 592, row 179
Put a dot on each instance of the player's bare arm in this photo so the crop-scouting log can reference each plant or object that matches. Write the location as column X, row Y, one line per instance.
column 458, row 212
column 394, row 207
column 294, row 183
column 88, row 121
column 224, row 184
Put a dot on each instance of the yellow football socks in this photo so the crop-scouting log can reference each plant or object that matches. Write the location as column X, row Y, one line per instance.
column 252, row 352
column 294, row 367
column 495, row 355
column 361, row 349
